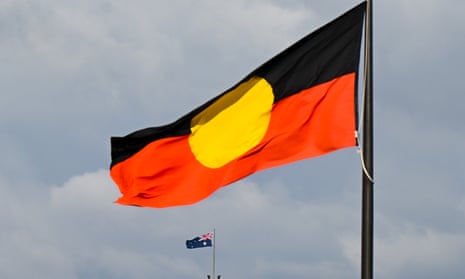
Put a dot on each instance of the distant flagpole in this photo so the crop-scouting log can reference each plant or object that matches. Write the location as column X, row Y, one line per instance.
column 367, row 152
column 214, row 245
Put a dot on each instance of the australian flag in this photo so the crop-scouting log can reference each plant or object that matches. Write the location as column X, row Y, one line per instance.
column 200, row 241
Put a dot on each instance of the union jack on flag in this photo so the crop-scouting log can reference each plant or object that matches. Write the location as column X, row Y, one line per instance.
column 205, row 240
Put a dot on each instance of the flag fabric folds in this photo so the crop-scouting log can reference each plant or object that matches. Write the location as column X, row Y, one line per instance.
column 298, row 105
column 205, row 240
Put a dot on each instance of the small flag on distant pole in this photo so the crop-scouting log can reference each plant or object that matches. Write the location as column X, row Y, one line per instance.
column 205, row 240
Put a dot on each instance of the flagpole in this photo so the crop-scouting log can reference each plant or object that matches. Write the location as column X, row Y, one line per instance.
column 214, row 245
column 367, row 152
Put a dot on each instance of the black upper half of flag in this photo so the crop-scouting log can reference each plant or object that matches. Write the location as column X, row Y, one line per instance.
column 331, row 51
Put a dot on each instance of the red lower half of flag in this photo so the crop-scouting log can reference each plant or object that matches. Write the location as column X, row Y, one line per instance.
column 313, row 122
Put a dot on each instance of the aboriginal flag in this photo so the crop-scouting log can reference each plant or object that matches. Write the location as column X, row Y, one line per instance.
column 298, row 105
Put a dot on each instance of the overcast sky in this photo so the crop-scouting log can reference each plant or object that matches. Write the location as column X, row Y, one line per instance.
column 74, row 73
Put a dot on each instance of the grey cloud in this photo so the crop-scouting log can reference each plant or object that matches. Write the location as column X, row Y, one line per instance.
column 75, row 73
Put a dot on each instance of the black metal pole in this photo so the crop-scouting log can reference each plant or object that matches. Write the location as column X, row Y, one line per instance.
column 367, row 151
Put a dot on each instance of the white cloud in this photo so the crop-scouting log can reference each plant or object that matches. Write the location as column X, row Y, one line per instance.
column 90, row 191
column 79, row 227
column 420, row 252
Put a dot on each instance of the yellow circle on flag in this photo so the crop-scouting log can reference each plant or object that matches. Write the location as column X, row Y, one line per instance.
column 233, row 124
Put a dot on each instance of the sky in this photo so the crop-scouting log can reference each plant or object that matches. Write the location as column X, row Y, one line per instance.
column 75, row 73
